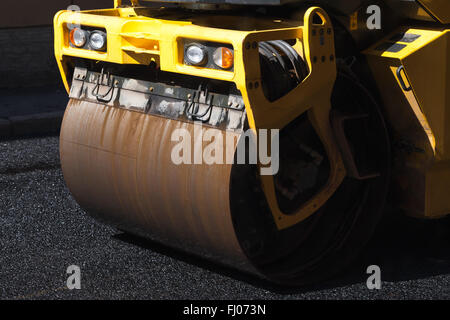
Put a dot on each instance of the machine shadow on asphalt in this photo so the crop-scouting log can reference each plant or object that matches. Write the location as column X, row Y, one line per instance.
column 419, row 250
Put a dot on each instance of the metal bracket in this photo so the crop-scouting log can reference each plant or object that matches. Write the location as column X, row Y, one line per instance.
column 192, row 109
column 110, row 84
column 217, row 109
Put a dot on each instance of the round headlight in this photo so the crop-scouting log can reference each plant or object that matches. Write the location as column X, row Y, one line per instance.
column 195, row 55
column 223, row 57
column 97, row 40
column 78, row 37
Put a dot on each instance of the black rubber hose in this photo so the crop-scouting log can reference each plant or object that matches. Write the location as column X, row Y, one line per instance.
column 282, row 68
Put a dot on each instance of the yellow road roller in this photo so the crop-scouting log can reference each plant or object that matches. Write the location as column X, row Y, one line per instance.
column 266, row 135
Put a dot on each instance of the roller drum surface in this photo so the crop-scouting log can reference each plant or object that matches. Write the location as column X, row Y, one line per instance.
column 117, row 164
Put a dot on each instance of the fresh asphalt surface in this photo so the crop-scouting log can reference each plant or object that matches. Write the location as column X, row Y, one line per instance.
column 43, row 231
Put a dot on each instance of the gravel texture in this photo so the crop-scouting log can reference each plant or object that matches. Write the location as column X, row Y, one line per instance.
column 43, row 231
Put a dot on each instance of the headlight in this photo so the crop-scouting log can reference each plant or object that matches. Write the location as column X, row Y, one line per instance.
column 78, row 37
column 195, row 55
column 223, row 57
column 97, row 41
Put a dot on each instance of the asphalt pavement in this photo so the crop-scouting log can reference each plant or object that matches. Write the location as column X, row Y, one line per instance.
column 43, row 231
column 31, row 111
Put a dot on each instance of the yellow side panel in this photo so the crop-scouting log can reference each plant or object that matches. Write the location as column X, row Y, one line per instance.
column 428, row 70
column 412, row 70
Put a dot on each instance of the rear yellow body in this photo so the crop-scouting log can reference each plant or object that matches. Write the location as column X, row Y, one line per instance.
column 438, row 8
column 419, row 116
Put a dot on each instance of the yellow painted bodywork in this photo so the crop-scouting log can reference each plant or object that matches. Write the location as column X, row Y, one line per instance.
column 118, row 3
column 440, row 9
column 420, row 117
column 134, row 37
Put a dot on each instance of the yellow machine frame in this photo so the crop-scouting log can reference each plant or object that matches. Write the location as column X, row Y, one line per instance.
column 421, row 114
column 134, row 39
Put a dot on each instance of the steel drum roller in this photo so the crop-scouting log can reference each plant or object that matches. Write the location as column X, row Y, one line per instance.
column 117, row 164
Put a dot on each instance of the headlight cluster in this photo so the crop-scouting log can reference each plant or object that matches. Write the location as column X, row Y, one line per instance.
column 209, row 55
column 91, row 40
column 195, row 55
